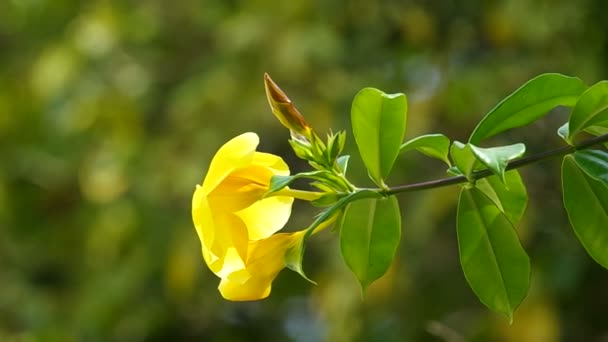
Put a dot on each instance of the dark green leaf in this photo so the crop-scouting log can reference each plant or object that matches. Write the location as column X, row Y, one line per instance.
column 494, row 263
column 510, row 197
column 497, row 158
column 378, row 121
column 594, row 163
column 529, row 103
column 590, row 109
column 433, row 145
column 369, row 237
column 586, row 201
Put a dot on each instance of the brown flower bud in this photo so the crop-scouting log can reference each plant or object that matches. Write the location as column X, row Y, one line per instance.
column 284, row 110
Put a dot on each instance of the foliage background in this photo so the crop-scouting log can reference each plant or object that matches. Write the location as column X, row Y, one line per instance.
column 110, row 112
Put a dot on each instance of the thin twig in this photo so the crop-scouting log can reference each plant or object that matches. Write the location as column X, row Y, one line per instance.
column 515, row 164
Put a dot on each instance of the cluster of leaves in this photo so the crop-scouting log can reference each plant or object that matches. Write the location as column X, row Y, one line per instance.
column 493, row 197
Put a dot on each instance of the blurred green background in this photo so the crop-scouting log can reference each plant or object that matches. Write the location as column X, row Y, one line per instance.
column 110, row 112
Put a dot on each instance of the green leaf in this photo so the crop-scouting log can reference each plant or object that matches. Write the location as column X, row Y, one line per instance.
column 494, row 263
column 369, row 237
column 464, row 159
column 529, row 103
column 586, row 201
column 378, row 121
column 598, row 130
column 594, row 163
column 590, row 109
column 294, row 257
column 497, row 158
column 433, row 145
column 510, row 197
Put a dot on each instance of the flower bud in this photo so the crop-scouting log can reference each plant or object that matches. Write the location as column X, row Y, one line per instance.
column 284, row 110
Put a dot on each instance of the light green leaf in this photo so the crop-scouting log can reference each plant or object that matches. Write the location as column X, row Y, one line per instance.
column 494, row 263
column 497, row 158
column 464, row 159
column 369, row 237
column 529, row 103
column 378, row 121
column 433, row 145
column 590, row 109
column 586, row 201
column 594, row 163
column 510, row 197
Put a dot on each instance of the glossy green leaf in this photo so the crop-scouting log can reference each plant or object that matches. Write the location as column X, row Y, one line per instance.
column 433, row 145
column 378, row 121
column 494, row 263
column 497, row 158
column 369, row 237
column 294, row 257
column 594, row 163
column 464, row 159
column 510, row 196
column 586, row 201
column 590, row 109
column 529, row 103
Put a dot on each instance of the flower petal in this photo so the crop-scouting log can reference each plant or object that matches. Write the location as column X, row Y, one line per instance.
column 253, row 289
column 235, row 154
column 265, row 217
column 275, row 163
column 266, row 259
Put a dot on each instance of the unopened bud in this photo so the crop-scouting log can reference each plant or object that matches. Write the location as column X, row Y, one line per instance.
column 284, row 110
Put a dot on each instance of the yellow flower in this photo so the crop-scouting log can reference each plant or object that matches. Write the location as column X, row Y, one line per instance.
column 266, row 258
column 236, row 224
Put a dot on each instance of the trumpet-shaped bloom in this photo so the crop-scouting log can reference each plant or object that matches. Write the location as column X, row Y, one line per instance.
column 264, row 262
column 236, row 224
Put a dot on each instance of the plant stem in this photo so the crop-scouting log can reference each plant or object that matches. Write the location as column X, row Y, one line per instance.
column 437, row 183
